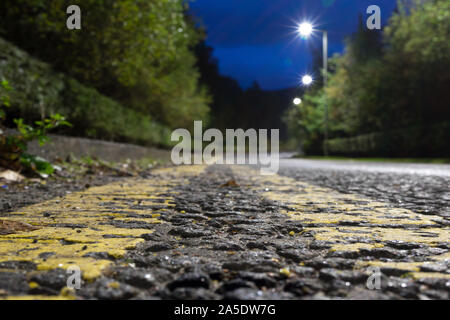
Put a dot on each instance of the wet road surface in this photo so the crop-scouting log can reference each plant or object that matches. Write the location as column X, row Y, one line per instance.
column 315, row 231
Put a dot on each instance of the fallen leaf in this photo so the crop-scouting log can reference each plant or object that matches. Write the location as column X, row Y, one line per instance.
column 11, row 176
column 8, row 227
column 230, row 183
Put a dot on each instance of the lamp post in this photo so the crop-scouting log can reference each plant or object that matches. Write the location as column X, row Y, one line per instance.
column 305, row 29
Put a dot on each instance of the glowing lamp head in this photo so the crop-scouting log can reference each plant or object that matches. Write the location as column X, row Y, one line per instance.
column 297, row 101
column 305, row 29
column 307, row 80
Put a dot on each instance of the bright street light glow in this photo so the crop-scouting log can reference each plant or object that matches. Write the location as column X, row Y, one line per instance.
column 305, row 29
column 307, row 80
column 297, row 101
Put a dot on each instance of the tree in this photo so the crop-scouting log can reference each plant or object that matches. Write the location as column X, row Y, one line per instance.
column 135, row 51
column 397, row 80
column 225, row 91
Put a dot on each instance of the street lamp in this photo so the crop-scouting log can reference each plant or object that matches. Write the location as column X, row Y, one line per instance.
column 305, row 29
column 297, row 101
column 307, row 80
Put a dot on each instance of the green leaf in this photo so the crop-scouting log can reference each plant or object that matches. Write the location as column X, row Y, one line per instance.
column 5, row 85
column 42, row 140
column 37, row 164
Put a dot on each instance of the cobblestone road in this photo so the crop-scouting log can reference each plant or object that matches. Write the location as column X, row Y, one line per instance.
column 227, row 232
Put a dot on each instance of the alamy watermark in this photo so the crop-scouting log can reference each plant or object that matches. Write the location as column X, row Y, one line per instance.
column 74, row 280
column 241, row 147
column 374, row 20
column 74, row 20
column 374, row 280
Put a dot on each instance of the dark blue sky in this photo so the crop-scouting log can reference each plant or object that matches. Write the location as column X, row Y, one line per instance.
column 256, row 39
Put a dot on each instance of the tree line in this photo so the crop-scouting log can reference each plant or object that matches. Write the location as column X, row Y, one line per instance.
column 235, row 107
column 386, row 82
column 148, row 55
column 138, row 52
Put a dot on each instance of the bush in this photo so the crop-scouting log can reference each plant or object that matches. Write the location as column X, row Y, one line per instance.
column 39, row 91
column 419, row 141
column 137, row 52
column 395, row 78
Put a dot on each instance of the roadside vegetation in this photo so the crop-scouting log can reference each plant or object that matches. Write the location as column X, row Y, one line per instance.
column 13, row 146
column 135, row 71
column 129, row 75
column 387, row 94
column 37, row 91
column 138, row 53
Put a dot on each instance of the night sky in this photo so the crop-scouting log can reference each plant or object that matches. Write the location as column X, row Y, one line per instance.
column 256, row 39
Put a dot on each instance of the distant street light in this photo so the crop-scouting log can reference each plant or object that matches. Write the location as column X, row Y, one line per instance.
column 305, row 29
column 297, row 101
column 307, row 80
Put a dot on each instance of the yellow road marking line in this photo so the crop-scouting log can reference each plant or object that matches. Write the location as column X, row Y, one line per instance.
column 321, row 209
column 92, row 214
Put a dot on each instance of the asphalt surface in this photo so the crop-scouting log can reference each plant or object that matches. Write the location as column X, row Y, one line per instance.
column 439, row 170
column 423, row 188
column 315, row 231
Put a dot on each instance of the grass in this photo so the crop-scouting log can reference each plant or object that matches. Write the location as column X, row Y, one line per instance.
column 399, row 160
